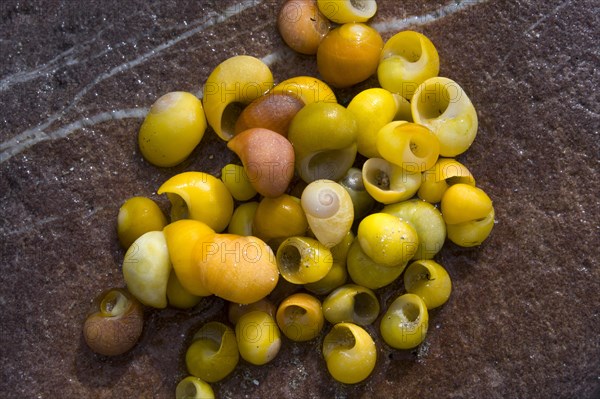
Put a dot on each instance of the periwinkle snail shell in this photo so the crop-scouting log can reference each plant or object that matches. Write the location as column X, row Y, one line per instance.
column 362, row 200
column 236, row 268
column 427, row 221
column 213, row 354
column 146, row 269
column 182, row 236
column 443, row 106
column 349, row 352
column 273, row 111
column 115, row 324
column 351, row 303
column 373, row 109
column 199, row 196
column 389, row 183
column 408, row 58
column 233, row 84
column 324, row 139
column 329, row 211
column 404, row 325
column 268, row 159
column 443, row 174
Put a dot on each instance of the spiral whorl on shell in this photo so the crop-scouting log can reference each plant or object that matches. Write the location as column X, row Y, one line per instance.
column 329, row 211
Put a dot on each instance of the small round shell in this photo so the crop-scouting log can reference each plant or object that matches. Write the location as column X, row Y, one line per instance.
column 373, row 108
column 199, row 196
column 349, row 352
column 324, row 139
column 351, row 303
column 146, row 269
column 329, row 211
column 404, row 325
column 233, row 84
column 408, row 58
column 443, row 174
column 427, row 221
column 115, row 324
column 389, row 183
column 238, row 269
column 193, row 388
column 258, row 337
column 344, row 11
column 303, row 260
column 366, row 272
column 443, row 106
column 213, row 353
column 430, row 281
column 409, row 145
column 300, row 317
column 268, row 160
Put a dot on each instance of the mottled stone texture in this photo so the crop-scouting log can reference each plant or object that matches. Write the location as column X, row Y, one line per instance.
column 523, row 318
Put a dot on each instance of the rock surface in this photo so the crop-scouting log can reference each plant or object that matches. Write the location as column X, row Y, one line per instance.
column 76, row 79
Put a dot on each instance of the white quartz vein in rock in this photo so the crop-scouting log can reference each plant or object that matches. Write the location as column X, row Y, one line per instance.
column 13, row 147
column 37, row 134
column 397, row 24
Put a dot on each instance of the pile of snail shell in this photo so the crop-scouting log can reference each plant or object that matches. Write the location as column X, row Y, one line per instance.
column 381, row 192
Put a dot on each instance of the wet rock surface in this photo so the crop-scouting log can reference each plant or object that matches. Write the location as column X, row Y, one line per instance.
column 75, row 83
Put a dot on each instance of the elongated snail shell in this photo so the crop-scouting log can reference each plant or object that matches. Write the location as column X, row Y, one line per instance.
column 329, row 211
